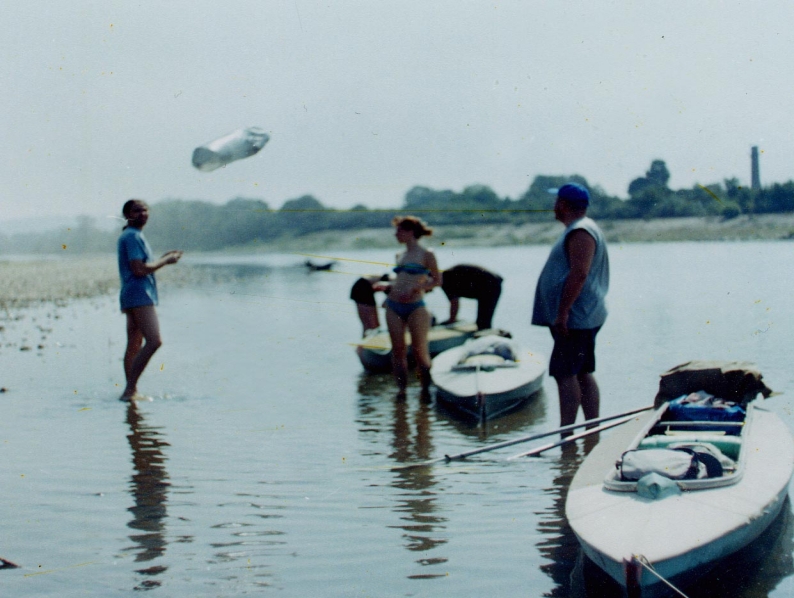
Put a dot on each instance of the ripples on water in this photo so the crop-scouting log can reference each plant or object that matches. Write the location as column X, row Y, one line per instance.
column 269, row 463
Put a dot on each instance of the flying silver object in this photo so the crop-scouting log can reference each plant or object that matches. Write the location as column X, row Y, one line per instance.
column 243, row 143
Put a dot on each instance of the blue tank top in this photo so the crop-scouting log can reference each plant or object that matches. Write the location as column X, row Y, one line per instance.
column 589, row 310
column 135, row 291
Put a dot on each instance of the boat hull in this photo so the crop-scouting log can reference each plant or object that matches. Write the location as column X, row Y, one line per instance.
column 374, row 352
column 486, row 393
column 681, row 536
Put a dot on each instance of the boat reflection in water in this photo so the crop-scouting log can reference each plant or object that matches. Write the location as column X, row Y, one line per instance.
column 149, row 489
column 527, row 415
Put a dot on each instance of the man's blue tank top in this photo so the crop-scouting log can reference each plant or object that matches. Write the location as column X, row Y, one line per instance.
column 589, row 310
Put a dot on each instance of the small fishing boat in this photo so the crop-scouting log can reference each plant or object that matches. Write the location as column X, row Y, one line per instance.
column 486, row 377
column 318, row 267
column 374, row 350
column 678, row 489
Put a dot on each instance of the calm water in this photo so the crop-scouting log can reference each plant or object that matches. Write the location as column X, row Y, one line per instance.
column 263, row 466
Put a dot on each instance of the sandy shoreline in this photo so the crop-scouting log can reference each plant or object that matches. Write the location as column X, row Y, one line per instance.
column 62, row 278
column 743, row 228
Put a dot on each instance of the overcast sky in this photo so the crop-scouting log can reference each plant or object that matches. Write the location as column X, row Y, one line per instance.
column 106, row 100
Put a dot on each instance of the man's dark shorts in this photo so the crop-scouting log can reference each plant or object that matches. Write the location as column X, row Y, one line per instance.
column 574, row 353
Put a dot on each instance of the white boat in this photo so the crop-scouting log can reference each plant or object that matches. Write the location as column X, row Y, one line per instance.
column 374, row 350
column 486, row 377
column 653, row 529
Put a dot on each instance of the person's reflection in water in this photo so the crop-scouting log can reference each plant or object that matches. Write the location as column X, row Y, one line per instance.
column 149, row 488
column 558, row 542
column 421, row 524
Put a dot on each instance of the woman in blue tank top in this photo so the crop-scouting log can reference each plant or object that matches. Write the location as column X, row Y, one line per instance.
column 138, row 295
column 417, row 272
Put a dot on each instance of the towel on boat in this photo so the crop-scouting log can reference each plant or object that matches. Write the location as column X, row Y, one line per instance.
column 735, row 381
column 490, row 345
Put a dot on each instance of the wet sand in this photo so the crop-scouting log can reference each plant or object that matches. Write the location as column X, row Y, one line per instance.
column 37, row 279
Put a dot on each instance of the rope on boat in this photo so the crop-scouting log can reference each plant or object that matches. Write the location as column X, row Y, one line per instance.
column 645, row 563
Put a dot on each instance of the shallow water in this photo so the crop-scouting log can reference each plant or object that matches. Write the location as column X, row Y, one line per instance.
column 264, row 463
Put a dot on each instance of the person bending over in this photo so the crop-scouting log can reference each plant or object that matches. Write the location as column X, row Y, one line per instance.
column 363, row 294
column 472, row 282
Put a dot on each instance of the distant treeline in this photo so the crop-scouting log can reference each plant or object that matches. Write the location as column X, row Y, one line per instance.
column 241, row 222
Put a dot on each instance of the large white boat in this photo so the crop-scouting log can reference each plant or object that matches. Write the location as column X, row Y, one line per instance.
column 656, row 523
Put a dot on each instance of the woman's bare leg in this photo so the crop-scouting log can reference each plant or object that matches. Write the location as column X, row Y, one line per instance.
column 142, row 323
column 134, row 343
column 368, row 314
column 399, row 352
column 419, row 326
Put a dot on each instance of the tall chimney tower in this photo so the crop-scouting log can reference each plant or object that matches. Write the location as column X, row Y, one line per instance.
column 756, row 174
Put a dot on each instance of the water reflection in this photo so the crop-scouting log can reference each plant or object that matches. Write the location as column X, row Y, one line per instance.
column 558, row 543
column 529, row 414
column 417, row 503
column 149, row 489
column 409, row 423
column 755, row 571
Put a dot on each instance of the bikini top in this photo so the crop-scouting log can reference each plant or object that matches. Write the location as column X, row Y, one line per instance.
column 412, row 268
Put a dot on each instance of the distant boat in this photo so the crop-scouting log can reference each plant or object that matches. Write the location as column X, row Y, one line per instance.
column 374, row 350
column 642, row 524
column 318, row 267
column 487, row 377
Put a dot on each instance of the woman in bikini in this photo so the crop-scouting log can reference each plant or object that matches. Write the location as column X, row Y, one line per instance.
column 139, row 294
column 417, row 272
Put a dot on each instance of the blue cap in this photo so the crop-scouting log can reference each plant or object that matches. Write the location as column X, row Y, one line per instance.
column 575, row 194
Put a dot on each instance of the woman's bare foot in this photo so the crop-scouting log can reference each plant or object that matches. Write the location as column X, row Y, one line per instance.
column 134, row 396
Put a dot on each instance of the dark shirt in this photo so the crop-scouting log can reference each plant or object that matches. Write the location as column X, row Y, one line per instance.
column 472, row 282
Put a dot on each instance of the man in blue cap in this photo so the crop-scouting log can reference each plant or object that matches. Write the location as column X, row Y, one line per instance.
column 569, row 299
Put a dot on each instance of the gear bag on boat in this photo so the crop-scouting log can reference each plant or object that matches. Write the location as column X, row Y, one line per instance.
column 676, row 464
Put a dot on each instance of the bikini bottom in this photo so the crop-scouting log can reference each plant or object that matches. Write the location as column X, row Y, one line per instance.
column 403, row 310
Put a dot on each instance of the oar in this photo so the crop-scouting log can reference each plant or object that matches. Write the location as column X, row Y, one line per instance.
column 542, row 449
column 530, row 438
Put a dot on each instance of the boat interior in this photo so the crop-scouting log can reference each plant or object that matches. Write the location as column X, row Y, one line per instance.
column 714, row 435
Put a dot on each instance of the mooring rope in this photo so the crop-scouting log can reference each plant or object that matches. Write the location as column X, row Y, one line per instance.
column 645, row 563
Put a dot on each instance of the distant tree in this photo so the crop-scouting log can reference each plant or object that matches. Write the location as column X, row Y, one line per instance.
column 538, row 201
column 656, row 178
column 246, row 221
column 658, row 175
column 305, row 203
column 303, row 215
column 420, row 199
column 649, row 196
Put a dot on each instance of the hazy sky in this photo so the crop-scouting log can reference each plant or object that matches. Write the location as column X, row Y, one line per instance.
column 106, row 100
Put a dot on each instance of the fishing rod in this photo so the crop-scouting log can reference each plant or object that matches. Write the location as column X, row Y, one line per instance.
column 531, row 437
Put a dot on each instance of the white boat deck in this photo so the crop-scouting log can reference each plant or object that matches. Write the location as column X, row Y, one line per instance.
column 684, row 531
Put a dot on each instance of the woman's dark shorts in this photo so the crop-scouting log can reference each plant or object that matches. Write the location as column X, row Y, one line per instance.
column 573, row 353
